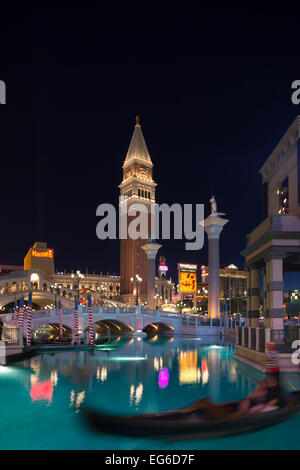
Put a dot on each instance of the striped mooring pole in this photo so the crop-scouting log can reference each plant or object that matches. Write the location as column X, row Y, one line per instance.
column 60, row 319
column 16, row 313
column 21, row 313
column 91, row 326
column 76, row 321
column 29, row 313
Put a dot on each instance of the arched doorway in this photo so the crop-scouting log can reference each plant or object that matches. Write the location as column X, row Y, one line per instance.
column 34, row 280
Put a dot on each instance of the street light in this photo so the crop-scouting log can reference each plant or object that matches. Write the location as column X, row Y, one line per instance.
column 103, row 293
column 137, row 281
column 79, row 277
column 56, row 292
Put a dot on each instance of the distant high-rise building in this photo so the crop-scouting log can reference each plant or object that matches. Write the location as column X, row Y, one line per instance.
column 233, row 281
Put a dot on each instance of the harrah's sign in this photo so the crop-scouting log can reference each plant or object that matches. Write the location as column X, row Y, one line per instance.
column 42, row 254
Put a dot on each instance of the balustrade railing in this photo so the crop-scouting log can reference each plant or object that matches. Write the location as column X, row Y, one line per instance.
column 10, row 335
column 283, row 339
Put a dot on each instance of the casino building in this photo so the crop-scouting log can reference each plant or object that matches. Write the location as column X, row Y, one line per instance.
column 233, row 281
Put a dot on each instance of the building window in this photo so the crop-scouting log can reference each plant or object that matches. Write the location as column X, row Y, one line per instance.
column 283, row 194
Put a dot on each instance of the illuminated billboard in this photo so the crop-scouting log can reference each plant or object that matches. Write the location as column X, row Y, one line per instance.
column 43, row 254
column 187, row 282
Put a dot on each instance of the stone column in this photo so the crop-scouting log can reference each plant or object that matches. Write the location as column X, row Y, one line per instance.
column 265, row 306
column 275, row 286
column 151, row 250
column 213, row 226
column 248, row 296
column 254, row 298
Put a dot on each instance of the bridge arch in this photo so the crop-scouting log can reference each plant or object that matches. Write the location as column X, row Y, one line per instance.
column 49, row 332
column 156, row 328
column 113, row 326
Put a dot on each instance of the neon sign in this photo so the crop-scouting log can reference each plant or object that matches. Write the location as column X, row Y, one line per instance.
column 42, row 254
column 163, row 268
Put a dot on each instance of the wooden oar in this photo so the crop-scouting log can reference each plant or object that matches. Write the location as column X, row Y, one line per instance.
column 290, row 385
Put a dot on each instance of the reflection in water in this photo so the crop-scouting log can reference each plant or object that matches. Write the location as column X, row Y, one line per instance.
column 41, row 391
column 188, row 370
column 76, row 399
column 205, row 374
column 156, row 340
column 54, row 377
column 54, row 387
column 101, row 373
column 136, row 394
column 139, row 377
column 115, row 342
column 163, row 378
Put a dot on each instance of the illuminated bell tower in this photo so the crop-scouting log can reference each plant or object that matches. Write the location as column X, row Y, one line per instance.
column 138, row 187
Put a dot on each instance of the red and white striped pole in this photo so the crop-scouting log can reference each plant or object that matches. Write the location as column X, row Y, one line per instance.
column 60, row 320
column 91, row 325
column 16, row 313
column 29, row 312
column 76, row 321
column 21, row 313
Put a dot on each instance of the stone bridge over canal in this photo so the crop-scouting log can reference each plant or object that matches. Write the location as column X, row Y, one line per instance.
column 121, row 320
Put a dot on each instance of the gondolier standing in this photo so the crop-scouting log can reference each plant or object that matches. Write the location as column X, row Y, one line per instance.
column 272, row 361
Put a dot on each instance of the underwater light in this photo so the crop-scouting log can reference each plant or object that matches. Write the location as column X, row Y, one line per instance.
column 192, row 339
column 126, row 359
column 5, row 369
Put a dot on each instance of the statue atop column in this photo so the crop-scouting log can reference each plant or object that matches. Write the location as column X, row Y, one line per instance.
column 213, row 225
column 213, row 204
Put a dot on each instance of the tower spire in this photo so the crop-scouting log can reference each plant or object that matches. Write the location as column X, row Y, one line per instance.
column 138, row 150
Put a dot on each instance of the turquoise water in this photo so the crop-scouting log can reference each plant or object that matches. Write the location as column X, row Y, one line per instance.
column 41, row 399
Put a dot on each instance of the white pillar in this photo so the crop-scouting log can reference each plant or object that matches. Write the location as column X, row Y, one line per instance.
column 257, row 339
column 254, row 297
column 213, row 226
column 151, row 250
column 275, row 286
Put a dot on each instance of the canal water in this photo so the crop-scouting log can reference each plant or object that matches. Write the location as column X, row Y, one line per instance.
column 42, row 398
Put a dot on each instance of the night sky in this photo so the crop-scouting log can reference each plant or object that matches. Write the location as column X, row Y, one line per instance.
column 212, row 88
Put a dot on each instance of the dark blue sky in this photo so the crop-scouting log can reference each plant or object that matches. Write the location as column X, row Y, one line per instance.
column 212, row 87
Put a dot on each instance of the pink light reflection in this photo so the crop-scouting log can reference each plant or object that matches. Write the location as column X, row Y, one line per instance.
column 163, row 378
column 42, row 391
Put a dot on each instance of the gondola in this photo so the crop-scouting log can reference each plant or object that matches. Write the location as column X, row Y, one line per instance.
column 200, row 420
